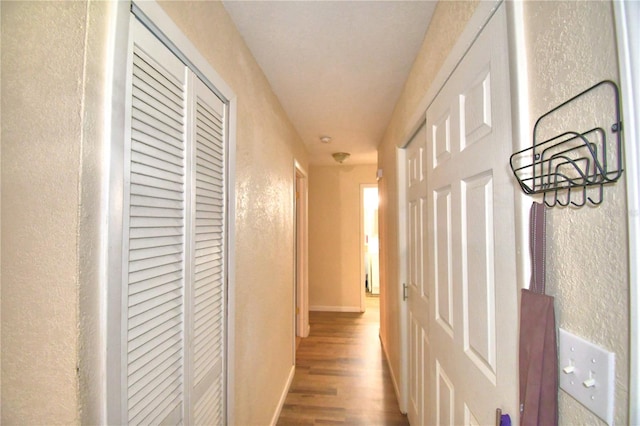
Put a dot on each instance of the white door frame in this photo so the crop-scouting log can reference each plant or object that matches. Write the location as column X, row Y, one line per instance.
column 301, row 253
column 474, row 27
column 627, row 14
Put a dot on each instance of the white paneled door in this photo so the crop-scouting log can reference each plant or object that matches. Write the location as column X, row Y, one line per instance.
column 462, row 267
column 418, row 291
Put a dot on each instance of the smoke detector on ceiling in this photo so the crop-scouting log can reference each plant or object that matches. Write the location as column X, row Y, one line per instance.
column 325, row 139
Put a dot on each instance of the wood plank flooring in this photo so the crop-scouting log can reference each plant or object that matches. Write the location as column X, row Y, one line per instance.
column 342, row 377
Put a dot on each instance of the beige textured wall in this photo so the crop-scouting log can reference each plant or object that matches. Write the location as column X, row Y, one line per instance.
column 334, row 234
column 448, row 22
column 42, row 62
column 587, row 247
column 0, row 227
column 266, row 146
column 42, row 97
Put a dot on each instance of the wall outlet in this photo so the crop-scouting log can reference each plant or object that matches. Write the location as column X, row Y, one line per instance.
column 587, row 373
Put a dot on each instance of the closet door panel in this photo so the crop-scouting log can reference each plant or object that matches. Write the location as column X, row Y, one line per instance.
column 174, row 294
column 155, row 234
column 209, row 284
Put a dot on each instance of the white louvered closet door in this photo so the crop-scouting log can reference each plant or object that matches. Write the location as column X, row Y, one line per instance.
column 174, row 243
column 208, row 248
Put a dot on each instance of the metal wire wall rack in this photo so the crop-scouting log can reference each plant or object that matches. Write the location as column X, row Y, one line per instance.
column 573, row 166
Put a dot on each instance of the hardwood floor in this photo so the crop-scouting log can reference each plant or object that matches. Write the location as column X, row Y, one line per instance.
column 341, row 374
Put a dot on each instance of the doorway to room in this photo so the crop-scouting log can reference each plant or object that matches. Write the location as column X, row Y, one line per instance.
column 301, row 276
column 369, row 249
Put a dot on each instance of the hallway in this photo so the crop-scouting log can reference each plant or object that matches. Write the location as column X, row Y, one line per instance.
column 341, row 374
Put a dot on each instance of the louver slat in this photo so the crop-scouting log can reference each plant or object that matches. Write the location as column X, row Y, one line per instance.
column 155, row 341
column 209, row 274
column 156, row 148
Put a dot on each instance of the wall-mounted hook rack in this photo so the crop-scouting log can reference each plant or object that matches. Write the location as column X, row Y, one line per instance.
column 570, row 167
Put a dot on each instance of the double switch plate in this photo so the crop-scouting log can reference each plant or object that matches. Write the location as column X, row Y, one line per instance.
column 587, row 373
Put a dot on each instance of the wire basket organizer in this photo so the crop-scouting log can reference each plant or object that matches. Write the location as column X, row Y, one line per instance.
column 569, row 166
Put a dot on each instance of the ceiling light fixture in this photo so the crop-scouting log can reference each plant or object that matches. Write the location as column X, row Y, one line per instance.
column 340, row 156
column 325, row 139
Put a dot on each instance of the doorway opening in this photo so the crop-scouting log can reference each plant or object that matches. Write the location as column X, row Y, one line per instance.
column 300, row 287
column 369, row 246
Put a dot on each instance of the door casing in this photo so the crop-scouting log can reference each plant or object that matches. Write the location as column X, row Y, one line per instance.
column 626, row 15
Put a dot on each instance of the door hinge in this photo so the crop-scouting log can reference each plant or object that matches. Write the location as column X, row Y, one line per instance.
column 405, row 296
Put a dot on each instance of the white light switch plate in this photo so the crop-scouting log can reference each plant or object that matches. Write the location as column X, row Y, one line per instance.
column 587, row 373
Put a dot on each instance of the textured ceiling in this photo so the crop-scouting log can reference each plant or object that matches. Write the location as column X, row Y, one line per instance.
column 337, row 67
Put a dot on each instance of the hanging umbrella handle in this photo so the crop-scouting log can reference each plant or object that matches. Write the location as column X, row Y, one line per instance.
column 502, row 419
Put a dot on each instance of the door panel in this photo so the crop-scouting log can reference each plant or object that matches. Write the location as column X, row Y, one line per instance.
column 475, row 110
column 418, row 290
column 426, row 378
column 415, row 366
column 208, row 272
column 478, row 285
column 442, row 258
column 472, row 233
column 174, row 242
column 441, row 140
column 154, row 238
column 444, row 398
column 462, row 245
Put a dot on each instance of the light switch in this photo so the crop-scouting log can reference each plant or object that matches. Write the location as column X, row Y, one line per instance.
column 587, row 373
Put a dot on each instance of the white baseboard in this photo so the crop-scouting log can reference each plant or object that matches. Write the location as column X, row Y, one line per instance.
column 283, row 396
column 396, row 388
column 335, row 308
